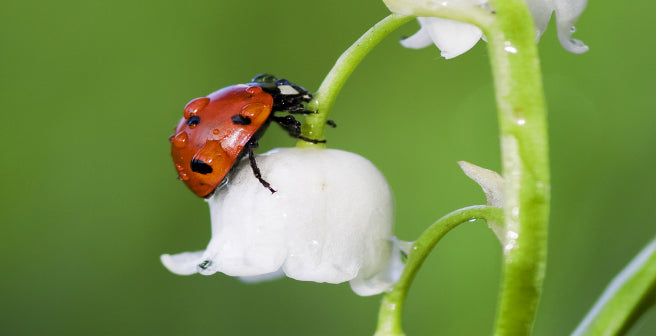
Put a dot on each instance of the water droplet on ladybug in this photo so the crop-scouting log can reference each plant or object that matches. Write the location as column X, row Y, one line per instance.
column 183, row 176
column 257, row 112
column 216, row 131
column 211, row 151
column 195, row 106
column 180, row 139
column 178, row 167
column 254, row 90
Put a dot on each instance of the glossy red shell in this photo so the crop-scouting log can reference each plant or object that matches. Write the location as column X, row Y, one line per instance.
column 216, row 140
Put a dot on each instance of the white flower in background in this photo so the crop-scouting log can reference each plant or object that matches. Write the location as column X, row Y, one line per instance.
column 454, row 38
column 330, row 220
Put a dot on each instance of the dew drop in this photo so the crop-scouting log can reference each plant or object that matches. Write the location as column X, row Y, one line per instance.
column 178, row 167
column 257, row 112
column 180, row 139
column 509, row 48
column 216, row 131
column 254, row 90
column 521, row 122
column 514, row 212
column 210, row 152
column 195, row 106
column 572, row 29
column 183, row 176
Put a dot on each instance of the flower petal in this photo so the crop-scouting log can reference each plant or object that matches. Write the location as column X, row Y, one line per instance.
column 541, row 11
column 420, row 39
column 182, row 263
column 383, row 278
column 567, row 13
column 263, row 277
column 452, row 37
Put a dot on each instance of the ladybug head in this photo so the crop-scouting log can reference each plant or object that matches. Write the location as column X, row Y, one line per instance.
column 286, row 95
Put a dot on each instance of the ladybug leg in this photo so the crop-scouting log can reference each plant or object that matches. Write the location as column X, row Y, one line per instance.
column 314, row 141
column 303, row 111
column 293, row 127
column 256, row 171
column 299, row 109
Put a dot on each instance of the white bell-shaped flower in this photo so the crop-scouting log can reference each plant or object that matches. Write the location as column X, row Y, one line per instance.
column 454, row 38
column 330, row 220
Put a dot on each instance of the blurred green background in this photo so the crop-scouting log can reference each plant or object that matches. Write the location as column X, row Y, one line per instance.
column 91, row 90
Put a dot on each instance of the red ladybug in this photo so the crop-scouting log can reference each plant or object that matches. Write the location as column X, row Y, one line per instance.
column 217, row 130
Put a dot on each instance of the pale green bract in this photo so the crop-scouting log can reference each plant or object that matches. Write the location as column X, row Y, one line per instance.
column 454, row 38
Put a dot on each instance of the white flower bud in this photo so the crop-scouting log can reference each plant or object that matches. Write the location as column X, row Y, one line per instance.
column 330, row 220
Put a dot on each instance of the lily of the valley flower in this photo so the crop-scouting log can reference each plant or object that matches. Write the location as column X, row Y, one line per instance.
column 454, row 38
column 329, row 221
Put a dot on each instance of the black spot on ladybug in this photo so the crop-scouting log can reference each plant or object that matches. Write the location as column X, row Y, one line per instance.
column 239, row 119
column 193, row 121
column 200, row 167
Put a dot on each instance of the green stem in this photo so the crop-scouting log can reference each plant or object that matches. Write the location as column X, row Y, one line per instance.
column 523, row 132
column 626, row 298
column 324, row 98
column 389, row 317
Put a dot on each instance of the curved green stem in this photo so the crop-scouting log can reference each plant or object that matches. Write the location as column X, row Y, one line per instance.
column 626, row 298
column 389, row 317
column 324, row 98
column 523, row 131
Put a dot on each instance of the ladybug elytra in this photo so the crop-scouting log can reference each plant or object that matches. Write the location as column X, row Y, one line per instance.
column 217, row 130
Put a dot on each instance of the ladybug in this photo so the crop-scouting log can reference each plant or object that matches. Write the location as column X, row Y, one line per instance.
column 218, row 130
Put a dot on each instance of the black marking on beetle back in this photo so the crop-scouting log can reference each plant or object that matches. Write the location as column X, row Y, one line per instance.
column 239, row 119
column 193, row 120
column 200, row 167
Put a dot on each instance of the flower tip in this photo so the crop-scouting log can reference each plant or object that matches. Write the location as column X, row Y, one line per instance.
column 388, row 274
column 419, row 40
column 573, row 45
column 453, row 38
column 567, row 14
column 182, row 263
